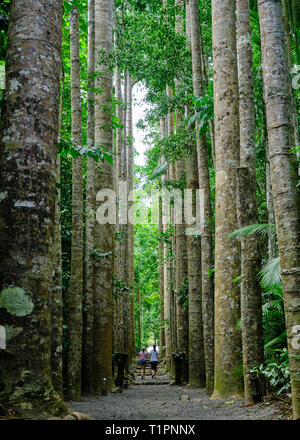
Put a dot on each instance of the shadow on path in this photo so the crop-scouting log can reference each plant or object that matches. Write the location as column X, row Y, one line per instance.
column 143, row 401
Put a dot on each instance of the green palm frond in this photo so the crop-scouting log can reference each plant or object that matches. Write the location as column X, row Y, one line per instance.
column 205, row 111
column 238, row 325
column 273, row 305
column 254, row 18
column 275, row 292
column 279, row 340
column 194, row 118
column 270, row 273
column 159, row 170
column 256, row 229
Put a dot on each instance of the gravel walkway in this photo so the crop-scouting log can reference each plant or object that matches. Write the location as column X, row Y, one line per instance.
column 146, row 401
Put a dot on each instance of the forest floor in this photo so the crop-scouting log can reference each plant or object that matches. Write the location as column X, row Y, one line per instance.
column 158, row 399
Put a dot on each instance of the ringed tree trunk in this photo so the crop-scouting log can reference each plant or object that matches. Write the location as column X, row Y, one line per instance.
column 74, row 293
column 169, row 314
column 125, row 228
column 288, row 33
column 130, row 249
column 88, row 310
column 272, row 245
column 139, row 314
column 167, row 293
column 28, row 149
column 171, row 251
column 284, row 175
column 161, row 258
column 181, row 269
column 227, row 252
column 119, row 330
column 272, row 239
column 57, row 303
column 173, row 307
column 104, row 233
column 251, row 300
column 204, row 186
column 196, row 343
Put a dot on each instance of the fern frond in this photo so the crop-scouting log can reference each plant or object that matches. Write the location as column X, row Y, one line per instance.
column 255, row 229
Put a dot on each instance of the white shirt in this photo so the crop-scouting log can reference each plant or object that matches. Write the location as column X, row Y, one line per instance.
column 154, row 356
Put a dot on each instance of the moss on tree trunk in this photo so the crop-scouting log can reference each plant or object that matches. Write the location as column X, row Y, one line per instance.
column 28, row 149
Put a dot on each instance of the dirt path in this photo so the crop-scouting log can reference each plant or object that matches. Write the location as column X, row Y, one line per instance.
column 145, row 400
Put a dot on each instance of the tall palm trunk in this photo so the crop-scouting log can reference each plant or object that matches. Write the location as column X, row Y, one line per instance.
column 181, row 269
column 169, row 312
column 251, row 302
column 161, row 259
column 227, row 252
column 204, row 186
column 104, row 234
column 74, row 294
column 88, row 313
column 130, row 249
column 125, row 240
column 283, row 174
column 57, row 303
column 288, row 32
column 196, row 343
column 272, row 247
column 173, row 298
column 28, row 149
column 119, row 345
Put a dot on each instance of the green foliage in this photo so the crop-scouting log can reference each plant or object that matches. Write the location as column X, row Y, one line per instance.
column 255, row 229
column 270, row 280
column 69, row 148
column 159, row 170
column 96, row 253
column 119, row 236
column 4, row 12
column 270, row 273
column 167, row 236
column 147, row 282
column 120, row 289
column 204, row 112
column 277, row 372
column 183, row 293
column 273, row 320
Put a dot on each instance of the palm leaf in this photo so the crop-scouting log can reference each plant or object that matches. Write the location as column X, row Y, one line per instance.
column 279, row 340
column 270, row 273
column 205, row 112
column 256, row 229
column 275, row 292
column 273, row 305
column 194, row 118
column 159, row 170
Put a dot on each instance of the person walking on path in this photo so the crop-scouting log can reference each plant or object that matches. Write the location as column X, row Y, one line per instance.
column 143, row 361
column 154, row 360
